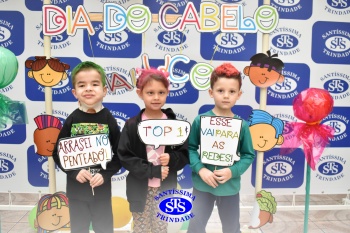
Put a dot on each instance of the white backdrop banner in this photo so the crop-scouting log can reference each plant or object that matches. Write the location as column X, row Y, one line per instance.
column 311, row 38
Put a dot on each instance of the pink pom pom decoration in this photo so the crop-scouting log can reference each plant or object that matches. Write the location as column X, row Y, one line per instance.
column 311, row 105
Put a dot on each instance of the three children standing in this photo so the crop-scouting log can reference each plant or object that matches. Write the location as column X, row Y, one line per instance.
column 152, row 170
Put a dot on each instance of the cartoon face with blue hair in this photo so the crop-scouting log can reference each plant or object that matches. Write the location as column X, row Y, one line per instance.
column 266, row 130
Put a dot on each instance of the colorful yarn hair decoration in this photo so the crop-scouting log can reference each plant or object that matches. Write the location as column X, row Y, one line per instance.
column 47, row 121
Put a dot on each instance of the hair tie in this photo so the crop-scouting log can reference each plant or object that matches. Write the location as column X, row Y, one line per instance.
column 138, row 72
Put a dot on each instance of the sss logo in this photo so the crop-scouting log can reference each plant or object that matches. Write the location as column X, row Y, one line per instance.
column 337, row 43
column 12, row 31
column 287, row 2
column 228, row 46
column 336, row 86
column 6, row 166
column 121, row 45
column 281, row 171
column 285, row 41
column 113, row 38
column 330, row 168
column 331, row 42
column 229, row 40
column 339, row 4
column 279, row 168
column 339, row 126
column 288, row 85
column 175, row 205
column 171, row 38
column 57, row 38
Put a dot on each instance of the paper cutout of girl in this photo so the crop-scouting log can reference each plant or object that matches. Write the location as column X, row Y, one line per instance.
column 52, row 213
column 265, row 70
column 47, row 72
column 266, row 130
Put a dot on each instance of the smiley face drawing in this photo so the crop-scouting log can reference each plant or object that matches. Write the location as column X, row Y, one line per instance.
column 266, row 130
column 52, row 213
column 47, row 72
column 45, row 136
column 264, row 70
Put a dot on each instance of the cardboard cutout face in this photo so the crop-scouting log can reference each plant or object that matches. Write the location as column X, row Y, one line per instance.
column 262, row 77
column 264, row 70
column 45, row 136
column 266, row 130
column 53, row 212
column 45, row 140
column 47, row 72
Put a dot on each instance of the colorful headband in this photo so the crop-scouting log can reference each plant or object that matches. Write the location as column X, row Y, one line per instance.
column 261, row 65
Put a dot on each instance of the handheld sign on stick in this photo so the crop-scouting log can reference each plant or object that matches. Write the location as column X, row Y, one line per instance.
column 93, row 192
column 84, row 151
column 163, row 132
column 219, row 140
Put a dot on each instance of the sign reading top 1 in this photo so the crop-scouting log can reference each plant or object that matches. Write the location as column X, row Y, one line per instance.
column 138, row 18
column 219, row 140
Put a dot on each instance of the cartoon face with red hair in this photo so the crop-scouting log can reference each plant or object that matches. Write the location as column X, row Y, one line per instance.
column 45, row 136
column 264, row 70
column 47, row 72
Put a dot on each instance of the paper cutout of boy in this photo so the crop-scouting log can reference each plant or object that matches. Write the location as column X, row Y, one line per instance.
column 47, row 72
column 52, row 212
column 45, row 136
column 264, row 70
column 266, row 130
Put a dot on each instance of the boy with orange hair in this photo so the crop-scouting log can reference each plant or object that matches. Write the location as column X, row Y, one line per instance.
column 220, row 184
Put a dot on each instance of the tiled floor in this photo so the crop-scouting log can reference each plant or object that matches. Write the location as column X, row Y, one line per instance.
column 285, row 221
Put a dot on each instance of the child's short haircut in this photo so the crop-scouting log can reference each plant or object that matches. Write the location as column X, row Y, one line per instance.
column 226, row 70
column 88, row 65
column 146, row 75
